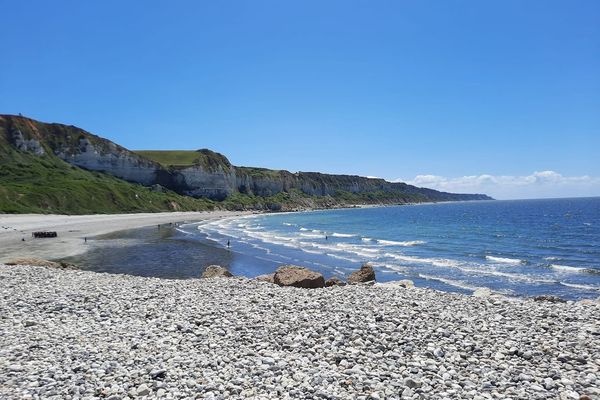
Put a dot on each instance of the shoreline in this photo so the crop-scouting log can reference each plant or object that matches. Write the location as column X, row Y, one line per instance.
column 73, row 229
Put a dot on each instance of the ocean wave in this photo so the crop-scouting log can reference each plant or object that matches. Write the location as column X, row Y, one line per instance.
column 566, row 268
column 551, row 258
column 342, row 235
column 366, row 239
column 303, row 229
column 451, row 282
column 578, row 270
column 403, row 244
column 304, row 249
column 505, row 260
column 579, row 286
column 341, row 257
column 437, row 262
column 510, row 276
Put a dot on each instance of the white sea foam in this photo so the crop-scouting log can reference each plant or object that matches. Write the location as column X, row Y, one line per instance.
column 288, row 224
column 311, row 235
column 342, row 235
column 366, row 239
column 342, row 257
column 437, row 262
column 551, row 258
column 397, row 243
column 578, row 286
column 303, row 229
column 392, row 267
column 566, row 268
column 504, row 260
column 587, row 223
column 304, row 249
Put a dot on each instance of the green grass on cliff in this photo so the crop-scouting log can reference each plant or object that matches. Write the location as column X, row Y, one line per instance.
column 170, row 157
column 31, row 184
column 205, row 158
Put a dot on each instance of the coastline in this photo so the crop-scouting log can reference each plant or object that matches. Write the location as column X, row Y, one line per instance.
column 73, row 229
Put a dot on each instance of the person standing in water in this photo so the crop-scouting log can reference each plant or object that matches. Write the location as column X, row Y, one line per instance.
column 228, row 243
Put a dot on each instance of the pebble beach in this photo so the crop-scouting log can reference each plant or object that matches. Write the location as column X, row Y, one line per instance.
column 78, row 334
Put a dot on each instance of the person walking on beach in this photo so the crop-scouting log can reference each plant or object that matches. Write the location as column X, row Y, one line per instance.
column 85, row 239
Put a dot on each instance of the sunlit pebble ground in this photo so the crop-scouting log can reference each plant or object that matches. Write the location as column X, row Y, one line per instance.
column 75, row 334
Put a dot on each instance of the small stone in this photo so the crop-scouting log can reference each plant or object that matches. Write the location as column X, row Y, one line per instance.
column 143, row 390
column 411, row 383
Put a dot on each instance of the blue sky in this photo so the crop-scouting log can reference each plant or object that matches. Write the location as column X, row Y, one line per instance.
column 429, row 92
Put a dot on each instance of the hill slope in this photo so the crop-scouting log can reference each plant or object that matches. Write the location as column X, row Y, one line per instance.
column 64, row 169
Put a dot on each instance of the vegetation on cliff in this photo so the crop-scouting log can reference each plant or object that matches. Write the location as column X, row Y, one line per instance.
column 46, row 184
column 55, row 168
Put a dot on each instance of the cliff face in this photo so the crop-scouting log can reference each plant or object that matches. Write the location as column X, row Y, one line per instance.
column 211, row 175
column 77, row 147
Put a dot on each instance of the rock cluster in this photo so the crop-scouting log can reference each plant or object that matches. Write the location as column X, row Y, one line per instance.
column 79, row 334
column 216, row 271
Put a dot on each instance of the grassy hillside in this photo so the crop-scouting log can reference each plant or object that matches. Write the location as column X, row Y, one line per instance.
column 170, row 157
column 208, row 159
column 32, row 184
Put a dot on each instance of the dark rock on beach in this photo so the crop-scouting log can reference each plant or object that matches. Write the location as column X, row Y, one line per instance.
column 291, row 275
column 334, row 281
column 549, row 298
column 216, row 271
column 364, row 274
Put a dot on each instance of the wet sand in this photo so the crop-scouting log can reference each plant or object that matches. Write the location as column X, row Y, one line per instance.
column 73, row 229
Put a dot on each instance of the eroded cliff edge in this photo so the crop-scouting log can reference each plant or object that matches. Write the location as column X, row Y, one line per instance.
column 209, row 175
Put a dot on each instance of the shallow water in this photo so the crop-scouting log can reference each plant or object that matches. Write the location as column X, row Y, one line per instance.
column 525, row 247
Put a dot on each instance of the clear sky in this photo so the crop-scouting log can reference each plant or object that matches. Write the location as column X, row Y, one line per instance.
column 459, row 95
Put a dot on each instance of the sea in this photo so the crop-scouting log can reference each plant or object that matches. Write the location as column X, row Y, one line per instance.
column 515, row 247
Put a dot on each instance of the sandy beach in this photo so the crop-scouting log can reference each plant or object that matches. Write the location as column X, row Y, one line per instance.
column 72, row 229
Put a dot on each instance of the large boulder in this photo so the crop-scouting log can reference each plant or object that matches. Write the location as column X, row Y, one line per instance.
column 216, row 271
column 334, row 281
column 364, row 274
column 291, row 275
